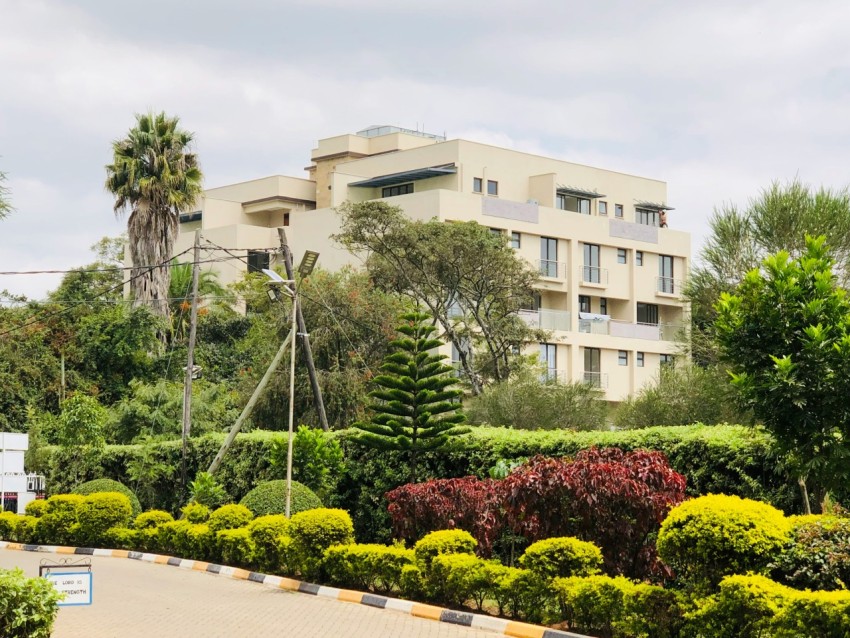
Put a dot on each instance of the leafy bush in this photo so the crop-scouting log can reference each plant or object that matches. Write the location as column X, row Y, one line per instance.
column 743, row 607
column 270, row 498
column 25, row 531
column 108, row 485
column 28, row 606
column 466, row 503
column 152, row 519
column 814, row 615
column 653, row 612
column 265, row 532
column 98, row 513
column 818, row 555
column 229, row 517
column 8, row 525
column 447, row 541
column 376, row 568
column 521, row 593
column 531, row 401
column 317, row 459
column 36, row 508
column 411, row 584
column 712, row 536
column 612, row 498
column 592, row 604
column 196, row 513
column 58, row 525
column 236, row 547
column 315, row 530
column 206, row 490
column 187, row 540
column 122, row 538
column 562, row 557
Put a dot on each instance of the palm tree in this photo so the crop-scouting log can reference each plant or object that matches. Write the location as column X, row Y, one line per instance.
column 155, row 177
column 180, row 294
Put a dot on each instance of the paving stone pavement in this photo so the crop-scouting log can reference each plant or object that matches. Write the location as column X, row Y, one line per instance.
column 133, row 599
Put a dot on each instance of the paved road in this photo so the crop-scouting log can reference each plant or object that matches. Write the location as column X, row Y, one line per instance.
column 138, row 600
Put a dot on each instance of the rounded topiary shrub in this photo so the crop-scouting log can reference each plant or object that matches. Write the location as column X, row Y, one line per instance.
column 313, row 531
column 57, row 526
column 152, row 519
column 36, row 508
column 266, row 533
column 562, row 557
column 445, row 541
column 229, row 517
column 196, row 513
column 100, row 512
column 108, row 485
column 712, row 536
column 269, row 497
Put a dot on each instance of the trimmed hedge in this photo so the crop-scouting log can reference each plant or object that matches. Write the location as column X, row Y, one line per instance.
column 447, row 541
column 269, row 497
column 108, row 485
column 375, row 568
column 562, row 557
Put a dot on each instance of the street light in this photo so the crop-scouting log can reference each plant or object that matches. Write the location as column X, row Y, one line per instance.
column 308, row 263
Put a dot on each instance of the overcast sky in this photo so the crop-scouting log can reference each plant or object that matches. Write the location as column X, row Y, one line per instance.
column 715, row 98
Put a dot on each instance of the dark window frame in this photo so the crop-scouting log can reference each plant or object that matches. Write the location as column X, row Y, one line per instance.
column 395, row 191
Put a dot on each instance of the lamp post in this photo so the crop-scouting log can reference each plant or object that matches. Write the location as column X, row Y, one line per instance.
column 308, row 263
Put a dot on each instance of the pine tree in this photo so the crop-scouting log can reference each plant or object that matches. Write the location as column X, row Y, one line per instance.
column 414, row 410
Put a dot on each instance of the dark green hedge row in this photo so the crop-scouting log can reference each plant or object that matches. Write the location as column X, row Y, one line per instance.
column 719, row 459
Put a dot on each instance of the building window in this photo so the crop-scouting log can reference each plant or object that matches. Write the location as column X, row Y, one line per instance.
column 618, row 210
column 639, row 257
column 258, row 260
column 572, row 203
column 592, row 367
column 647, row 216
column 286, row 219
column 477, row 184
column 549, row 360
column 603, row 208
column 647, row 313
column 515, row 239
column 591, row 272
column 496, row 232
column 393, row 191
column 665, row 274
column 621, row 256
column 603, row 305
column 548, row 256
column 584, row 303
column 640, row 359
column 492, row 187
column 667, row 360
column 623, row 357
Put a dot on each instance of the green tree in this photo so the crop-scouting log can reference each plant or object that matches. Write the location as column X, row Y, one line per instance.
column 210, row 293
column 786, row 335
column 82, row 421
column 416, row 408
column 317, row 459
column 468, row 278
column 5, row 204
column 740, row 238
column 155, row 177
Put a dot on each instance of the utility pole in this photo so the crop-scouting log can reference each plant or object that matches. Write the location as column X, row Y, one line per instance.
column 305, row 337
column 246, row 411
column 190, row 365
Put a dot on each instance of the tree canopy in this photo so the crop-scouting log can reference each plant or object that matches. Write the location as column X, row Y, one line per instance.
column 5, row 204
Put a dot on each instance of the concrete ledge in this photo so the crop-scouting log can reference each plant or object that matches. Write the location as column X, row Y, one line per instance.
column 421, row 610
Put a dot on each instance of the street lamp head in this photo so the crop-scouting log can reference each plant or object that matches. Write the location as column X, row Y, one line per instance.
column 308, row 262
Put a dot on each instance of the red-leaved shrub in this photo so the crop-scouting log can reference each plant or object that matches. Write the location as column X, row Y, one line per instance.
column 612, row 498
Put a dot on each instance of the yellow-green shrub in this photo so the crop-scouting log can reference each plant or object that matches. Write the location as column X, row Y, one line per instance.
column 446, row 541
column 98, row 513
column 229, row 517
column 122, row 538
column 743, row 607
column 818, row 614
column 592, row 604
column 36, row 508
column 411, row 583
column 712, row 536
column 58, row 524
column 25, row 530
column 265, row 533
column 236, row 547
column 8, row 523
column 315, row 530
column 152, row 519
column 195, row 512
column 650, row 611
column 375, row 568
column 457, row 578
column 562, row 557
column 521, row 593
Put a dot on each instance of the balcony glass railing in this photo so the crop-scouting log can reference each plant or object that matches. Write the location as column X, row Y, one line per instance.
column 593, row 275
column 596, row 379
column 552, row 269
column 546, row 319
column 626, row 329
column 669, row 285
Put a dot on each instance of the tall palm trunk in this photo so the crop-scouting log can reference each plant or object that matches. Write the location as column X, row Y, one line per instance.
column 151, row 259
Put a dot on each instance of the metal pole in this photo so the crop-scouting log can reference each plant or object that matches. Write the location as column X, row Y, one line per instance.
column 2, row 472
column 246, row 411
column 291, row 397
column 187, row 383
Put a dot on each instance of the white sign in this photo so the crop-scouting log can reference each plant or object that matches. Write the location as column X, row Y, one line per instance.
column 76, row 586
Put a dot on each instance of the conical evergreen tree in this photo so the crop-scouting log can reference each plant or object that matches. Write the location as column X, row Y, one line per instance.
column 413, row 410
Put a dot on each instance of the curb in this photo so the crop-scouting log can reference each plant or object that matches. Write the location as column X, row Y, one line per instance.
column 505, row 627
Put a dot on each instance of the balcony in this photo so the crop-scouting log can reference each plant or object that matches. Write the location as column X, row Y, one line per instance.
column 669, row 286
column 552, row 375
column 546, row 319
column 628, row 330
column 552, row 269
column 593, row 275
column 596, row 379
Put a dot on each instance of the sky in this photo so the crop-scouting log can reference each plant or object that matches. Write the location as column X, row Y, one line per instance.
column 716, row 98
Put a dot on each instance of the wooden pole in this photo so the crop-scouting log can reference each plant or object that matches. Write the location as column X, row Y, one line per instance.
column 190, row 363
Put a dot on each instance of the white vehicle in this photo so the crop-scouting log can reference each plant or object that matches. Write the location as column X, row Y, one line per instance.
column 17, row 488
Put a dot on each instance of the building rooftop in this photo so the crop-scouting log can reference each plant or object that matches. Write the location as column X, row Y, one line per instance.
column 377, row 130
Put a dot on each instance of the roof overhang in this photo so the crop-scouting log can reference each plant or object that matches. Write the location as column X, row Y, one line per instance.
column 653, row 206
column 406, row 176
column 577, row 192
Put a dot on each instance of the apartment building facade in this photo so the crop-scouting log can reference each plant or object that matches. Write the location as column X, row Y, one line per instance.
column 611, row 272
